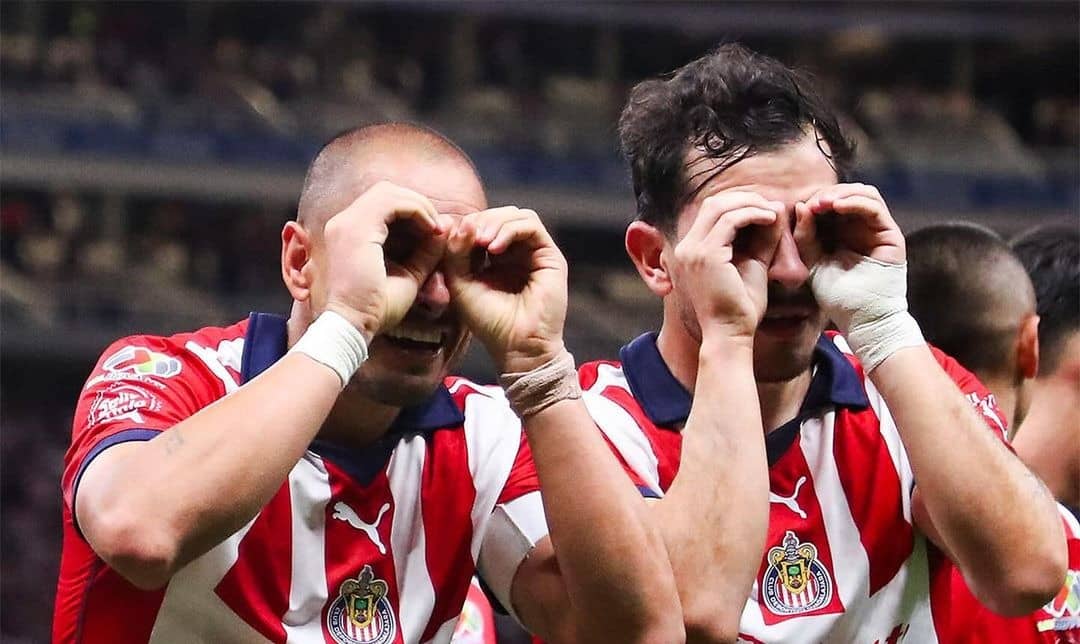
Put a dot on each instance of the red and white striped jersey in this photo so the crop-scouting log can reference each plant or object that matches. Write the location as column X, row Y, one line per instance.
column 842, row 560
column 959, row 618
column 372, row 546
column 477, row 623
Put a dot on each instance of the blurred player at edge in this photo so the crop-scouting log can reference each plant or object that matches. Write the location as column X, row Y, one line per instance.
column 733, row 153
column 973, row 299
column 254, row 483
column 1049, row 439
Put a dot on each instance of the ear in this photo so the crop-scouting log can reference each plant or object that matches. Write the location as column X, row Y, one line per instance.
column 296, row 265
column 1027, row 346
column 645, row 244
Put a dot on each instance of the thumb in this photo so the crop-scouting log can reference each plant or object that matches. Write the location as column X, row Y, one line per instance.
column 427, row 255
column 806, row 238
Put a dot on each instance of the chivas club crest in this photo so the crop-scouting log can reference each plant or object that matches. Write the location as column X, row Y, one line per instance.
column 361, row 614
column 795, row 581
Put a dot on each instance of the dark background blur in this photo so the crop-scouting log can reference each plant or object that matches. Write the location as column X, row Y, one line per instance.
column 152, row 151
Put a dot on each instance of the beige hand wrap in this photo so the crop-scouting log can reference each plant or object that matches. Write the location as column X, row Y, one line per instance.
column 533, row 391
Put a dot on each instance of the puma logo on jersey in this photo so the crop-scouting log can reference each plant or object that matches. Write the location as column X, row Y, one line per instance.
column 343, row 512
column 791, row 502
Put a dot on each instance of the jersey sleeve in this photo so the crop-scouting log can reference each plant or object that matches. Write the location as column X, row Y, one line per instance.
column 139, row 388
column 961, row 619
column 516, row 525
column 976, row 393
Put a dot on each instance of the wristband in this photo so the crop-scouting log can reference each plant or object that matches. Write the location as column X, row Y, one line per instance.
column 331, row 340
column 531, row 392
column 867, row 299
column 874, row 340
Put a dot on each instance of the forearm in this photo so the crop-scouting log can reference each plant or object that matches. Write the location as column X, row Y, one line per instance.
column 714, row 516
column 614, row 566
column 968, row 480
column 207, row 476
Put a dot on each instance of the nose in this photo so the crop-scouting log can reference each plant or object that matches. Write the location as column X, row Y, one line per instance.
column 433, row 298
column 787, row 267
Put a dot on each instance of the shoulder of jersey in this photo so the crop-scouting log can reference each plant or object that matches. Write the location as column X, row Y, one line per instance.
column 166, row 356
column 597, row 374
column 465, row 391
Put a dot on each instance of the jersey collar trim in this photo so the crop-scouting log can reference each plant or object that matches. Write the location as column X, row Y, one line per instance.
column 267, row 340
column 667, row 403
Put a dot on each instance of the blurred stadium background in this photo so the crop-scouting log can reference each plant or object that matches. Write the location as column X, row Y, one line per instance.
column 152, row 151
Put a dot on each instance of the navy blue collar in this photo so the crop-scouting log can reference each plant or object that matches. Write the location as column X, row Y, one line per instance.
column 266, row 342
column 667, row 403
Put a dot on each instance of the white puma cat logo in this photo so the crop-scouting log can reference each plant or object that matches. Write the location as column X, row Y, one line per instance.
column 343, row 512
column 792, row 502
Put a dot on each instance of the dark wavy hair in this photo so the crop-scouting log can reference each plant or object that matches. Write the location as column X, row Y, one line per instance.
column 732, row 103
column 1051, row 255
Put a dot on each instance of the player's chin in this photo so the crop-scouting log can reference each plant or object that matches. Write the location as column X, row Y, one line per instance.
column 396, row 388
column 781, row 360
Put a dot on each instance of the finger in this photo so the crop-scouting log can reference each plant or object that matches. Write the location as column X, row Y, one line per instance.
column 425, row 257
column 725, row 230
column 862, row 206
column 527, row 230
column 489, row 221
column 826, row 198
column 714, row 207
column 806, row 234
column 417, row 208
column 459, row 246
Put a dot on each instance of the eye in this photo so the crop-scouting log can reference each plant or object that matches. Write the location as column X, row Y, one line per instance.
column 827, row 226
column 746, row 239
column 401, row 241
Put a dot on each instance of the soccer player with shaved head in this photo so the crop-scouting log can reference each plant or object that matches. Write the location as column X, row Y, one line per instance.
column 320, row 478
column 882, row 456
column 974, row 301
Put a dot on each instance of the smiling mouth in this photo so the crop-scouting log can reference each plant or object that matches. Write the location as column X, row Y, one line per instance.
column 415, row 338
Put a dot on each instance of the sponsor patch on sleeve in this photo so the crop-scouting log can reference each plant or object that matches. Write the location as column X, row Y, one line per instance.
column 122, row 401
column 137, row 363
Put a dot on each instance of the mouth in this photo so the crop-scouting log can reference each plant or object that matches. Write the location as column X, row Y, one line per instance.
column 416, row 338
column 784, row 322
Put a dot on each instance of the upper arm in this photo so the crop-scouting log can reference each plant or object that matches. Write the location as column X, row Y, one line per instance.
column 136, row 391
column 539, row 595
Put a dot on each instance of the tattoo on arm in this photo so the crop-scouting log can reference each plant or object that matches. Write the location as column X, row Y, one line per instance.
column 174, row 440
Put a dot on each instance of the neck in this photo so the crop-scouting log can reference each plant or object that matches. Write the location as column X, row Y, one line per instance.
column 680, row 354
column 780, row 401
column 357, row 422
column 354, row 421
column 1006, row 392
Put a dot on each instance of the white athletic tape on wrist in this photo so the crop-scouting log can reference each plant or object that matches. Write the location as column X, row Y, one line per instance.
column 334, row 342
column 867, row 299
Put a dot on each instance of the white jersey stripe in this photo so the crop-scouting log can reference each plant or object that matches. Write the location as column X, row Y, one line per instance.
column 891, row 435
column 416, row 597
column 851, row 566
column 192, row 612
column 209, row 357
column 309, row 492
column 491, row 454
column 622, row 430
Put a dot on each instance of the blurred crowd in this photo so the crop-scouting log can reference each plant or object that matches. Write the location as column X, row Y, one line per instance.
column 65, row 236
column 315, row 69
